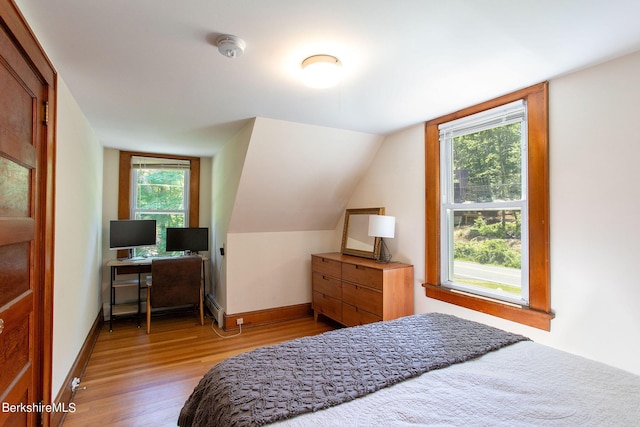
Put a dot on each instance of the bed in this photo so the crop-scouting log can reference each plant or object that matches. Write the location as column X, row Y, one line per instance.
column 427, row 369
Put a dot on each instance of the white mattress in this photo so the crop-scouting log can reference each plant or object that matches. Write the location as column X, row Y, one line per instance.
column 525, row 384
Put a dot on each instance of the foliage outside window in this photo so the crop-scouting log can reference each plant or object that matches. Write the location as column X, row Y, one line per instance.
column 487, row 208
column 167, row 189
column 483, row 203
column 160, row 190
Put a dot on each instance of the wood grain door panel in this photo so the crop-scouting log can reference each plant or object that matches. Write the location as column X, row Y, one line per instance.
column 22, row 196
column 14, row 271
column 15, row 358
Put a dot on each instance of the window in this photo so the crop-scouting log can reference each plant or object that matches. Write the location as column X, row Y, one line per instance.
column 483, row 204
column 160, row 191
column 164, row 188
column 487, row 234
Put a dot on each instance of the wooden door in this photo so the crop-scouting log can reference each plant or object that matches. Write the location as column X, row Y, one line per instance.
column 25, row 226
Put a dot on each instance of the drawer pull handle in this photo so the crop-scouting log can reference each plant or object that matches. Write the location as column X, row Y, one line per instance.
column 1, row 325
column 324, row 277
column 359, row 267
column 325, row 260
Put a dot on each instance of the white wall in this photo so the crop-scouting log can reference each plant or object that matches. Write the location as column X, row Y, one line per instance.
column 396, row 182
column 269, row 270
column 77, row 234
column 299, row 177
column 226, row 171
column 205, row 213
column 594, row 151
column 296, row 181
column 111, row 161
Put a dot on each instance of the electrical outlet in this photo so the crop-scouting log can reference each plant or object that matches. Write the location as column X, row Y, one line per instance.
column 240, row 321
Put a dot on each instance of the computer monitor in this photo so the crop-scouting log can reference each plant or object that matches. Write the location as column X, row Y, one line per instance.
column 192, row 239
column 132, row 233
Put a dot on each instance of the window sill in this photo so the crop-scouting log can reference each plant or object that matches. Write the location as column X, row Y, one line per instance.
column 524, row 315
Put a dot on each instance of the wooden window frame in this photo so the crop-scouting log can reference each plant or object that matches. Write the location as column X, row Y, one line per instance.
column 124, row 185
column 538, row 313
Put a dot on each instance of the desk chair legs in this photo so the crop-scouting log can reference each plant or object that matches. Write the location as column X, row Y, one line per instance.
column 149, row 310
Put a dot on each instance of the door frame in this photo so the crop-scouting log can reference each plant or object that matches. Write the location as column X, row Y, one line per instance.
column 14, row 22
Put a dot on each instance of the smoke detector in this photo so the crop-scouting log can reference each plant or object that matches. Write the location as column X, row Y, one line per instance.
column 230, row 46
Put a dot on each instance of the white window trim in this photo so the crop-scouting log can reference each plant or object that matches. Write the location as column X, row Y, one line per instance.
column 502, row 115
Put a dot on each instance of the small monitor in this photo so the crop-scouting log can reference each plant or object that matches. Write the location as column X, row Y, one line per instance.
column 193, row 239
column 132, row 233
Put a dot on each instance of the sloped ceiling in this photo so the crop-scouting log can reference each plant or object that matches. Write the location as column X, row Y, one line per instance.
column 299, row 177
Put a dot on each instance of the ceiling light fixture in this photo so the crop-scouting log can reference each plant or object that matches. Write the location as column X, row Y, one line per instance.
column 321, row 71
column 230, row 46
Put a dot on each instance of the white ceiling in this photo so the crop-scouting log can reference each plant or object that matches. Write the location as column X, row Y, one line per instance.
column 148, row 77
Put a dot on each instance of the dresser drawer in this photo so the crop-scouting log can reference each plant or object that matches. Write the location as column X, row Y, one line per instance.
column 353, row 316
column 363, row 298
column 327, row 285
column 355, row 291
column 326, row 266
column 328, row 306
column 362, row 275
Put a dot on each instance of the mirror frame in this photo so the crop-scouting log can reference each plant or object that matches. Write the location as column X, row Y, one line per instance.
column 375, row 253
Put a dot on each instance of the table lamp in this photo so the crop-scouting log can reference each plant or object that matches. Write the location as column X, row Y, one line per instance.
column 382, row 226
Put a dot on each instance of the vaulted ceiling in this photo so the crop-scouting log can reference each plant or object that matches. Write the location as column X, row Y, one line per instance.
column 148, row 77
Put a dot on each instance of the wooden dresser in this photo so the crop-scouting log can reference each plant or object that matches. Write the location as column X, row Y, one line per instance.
column 355, row 291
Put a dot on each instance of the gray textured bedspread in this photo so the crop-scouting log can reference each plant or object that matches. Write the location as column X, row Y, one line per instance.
column 308, row 374
column 522, row 385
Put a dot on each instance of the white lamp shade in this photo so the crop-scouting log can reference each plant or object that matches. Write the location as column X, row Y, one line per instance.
column 382, row 225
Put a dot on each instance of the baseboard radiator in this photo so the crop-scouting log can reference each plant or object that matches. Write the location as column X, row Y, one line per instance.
column 216, row 310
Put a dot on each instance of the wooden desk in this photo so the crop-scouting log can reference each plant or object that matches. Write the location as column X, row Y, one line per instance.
column 136, row 268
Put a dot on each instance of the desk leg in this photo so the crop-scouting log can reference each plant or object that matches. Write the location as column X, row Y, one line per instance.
column 204, row 290
column 201, row 310
column 112, row 299
column 148, row 309
column 139, row 289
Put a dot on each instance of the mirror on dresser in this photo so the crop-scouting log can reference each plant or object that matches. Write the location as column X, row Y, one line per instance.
column 355, row 236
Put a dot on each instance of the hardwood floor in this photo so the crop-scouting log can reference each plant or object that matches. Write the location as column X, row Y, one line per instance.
column 135, row 379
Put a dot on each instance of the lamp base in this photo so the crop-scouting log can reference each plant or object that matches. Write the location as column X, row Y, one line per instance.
column 385, row 255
